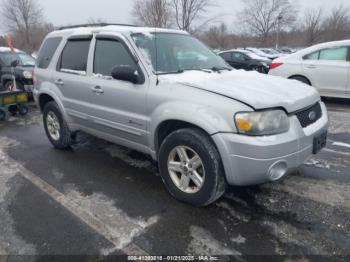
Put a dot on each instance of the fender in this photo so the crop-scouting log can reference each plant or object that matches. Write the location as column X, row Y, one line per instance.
column 199, row 115
column 46, row 90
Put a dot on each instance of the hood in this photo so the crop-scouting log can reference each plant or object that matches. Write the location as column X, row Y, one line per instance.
column 257, row 90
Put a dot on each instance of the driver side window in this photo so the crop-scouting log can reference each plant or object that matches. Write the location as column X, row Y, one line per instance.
column 108, row 54
column 237, row 57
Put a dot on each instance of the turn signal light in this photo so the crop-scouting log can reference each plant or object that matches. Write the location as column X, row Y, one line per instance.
column 244, row 124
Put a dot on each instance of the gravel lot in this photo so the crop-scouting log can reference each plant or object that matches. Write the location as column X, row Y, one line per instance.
column 102, row 199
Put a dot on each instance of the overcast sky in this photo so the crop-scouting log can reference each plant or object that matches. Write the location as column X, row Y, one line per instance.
column 61, row 12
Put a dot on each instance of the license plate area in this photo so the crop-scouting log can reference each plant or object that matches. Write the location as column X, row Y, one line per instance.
column 320, row 142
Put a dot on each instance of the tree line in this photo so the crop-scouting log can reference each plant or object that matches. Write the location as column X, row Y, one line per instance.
column 261, row 23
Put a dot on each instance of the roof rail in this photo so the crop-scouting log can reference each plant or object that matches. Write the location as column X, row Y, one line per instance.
column 92, row 25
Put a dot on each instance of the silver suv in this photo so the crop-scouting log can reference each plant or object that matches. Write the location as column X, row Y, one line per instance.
column 164, row 93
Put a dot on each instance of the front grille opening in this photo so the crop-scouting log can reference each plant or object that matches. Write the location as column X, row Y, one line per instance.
column 309, row 116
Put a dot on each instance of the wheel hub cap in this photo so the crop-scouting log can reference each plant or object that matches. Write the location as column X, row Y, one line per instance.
column 186, row 169
column 53, row 126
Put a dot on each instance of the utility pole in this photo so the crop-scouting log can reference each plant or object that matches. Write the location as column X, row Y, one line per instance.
column 279, row 19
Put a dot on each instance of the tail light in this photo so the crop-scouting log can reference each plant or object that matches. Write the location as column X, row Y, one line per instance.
column 275, row 65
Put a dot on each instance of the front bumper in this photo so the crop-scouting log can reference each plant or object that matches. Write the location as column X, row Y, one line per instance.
column 251, row 160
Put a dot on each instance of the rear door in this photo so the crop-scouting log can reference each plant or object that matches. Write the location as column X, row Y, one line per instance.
column 71, row 78
column 328, row 70
column 118, row 108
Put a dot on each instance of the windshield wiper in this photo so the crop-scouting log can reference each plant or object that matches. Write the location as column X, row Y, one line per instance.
column 220, row 68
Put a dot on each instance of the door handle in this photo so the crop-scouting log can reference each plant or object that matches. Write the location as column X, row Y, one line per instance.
column 59, row 82
column 97, row 90
column 311, row 66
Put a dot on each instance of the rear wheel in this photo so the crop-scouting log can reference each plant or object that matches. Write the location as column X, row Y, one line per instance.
column 258, row 68
column 301, row 79
column 23, row 110
column 56, row 127
column 191, row 167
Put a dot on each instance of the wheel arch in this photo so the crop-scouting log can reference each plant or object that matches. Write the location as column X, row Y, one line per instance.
column 169, row 126
column 43, row 100
column 45, row 97
column 300, row 75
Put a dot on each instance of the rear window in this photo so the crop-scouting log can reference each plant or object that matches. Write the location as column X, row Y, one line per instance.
column 312, row 56
column 22, row 58
column 74, row 56
column 47, row 51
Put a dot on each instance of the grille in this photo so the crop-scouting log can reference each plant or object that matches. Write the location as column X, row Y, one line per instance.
column 309, row 116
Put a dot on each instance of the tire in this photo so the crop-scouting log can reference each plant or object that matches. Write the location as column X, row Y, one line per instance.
column 59, row 135
column 195, row 141
column 3, row 115
column 301, row 79
column 255, row 68
column 13, row 110
column 23, row 110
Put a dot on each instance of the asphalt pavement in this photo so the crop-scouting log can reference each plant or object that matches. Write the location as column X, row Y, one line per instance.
column 103, row 199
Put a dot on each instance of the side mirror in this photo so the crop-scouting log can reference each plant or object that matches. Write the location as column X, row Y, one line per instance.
column 14, row 63
column 125, row 73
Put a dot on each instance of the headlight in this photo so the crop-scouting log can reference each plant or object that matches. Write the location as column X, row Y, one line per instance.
column 262, row 123
column 27, row 75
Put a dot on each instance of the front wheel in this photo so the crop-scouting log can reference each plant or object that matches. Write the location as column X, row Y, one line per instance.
column 191, row 167
column 56, row 127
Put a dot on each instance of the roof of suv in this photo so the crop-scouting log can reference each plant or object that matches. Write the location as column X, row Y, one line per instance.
column 129, row 29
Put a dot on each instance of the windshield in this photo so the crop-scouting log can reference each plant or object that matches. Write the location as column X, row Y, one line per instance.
column 23, row 58
column 177, row 53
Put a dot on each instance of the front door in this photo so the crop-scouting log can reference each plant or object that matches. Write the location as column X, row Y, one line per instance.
column 118, row 108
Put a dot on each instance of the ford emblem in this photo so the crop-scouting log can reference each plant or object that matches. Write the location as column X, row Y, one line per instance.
column 312, row 116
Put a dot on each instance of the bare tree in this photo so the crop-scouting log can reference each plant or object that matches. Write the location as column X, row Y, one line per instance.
column 187, row 11
column 218, row 37
column 155, row 13
column 262, row 17
column 337, row 24
column 21, row 16
column 313, row 25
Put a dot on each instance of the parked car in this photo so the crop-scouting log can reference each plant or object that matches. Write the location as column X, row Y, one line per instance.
column 274, row 53
column 23, row 71
column 325, row 66
column 206, row 124
column 286, row 50
column 260, row 53
column 243, row 59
